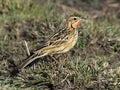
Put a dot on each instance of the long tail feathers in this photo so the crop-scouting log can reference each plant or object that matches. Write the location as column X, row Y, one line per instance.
column 28, row 61
column 34, row 56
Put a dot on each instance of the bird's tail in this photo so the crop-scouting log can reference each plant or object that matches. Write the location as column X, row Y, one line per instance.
column 38, row 54
column 14, row 69
column 27, row 61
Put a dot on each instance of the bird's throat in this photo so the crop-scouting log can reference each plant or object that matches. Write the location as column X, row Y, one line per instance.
column 76, row 24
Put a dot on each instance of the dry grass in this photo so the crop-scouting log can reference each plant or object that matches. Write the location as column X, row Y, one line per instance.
column 92, row 65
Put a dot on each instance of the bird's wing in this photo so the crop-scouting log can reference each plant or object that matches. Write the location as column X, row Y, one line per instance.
column 59, row 37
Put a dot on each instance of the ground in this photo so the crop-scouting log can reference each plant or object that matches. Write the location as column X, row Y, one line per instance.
column 93, row 64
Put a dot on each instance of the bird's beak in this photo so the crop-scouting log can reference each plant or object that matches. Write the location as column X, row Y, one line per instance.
column 76, row 24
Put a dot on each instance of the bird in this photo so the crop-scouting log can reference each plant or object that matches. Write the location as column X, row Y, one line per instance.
column 60, row 42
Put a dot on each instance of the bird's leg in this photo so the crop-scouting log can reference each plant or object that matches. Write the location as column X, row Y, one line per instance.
column 53, row 58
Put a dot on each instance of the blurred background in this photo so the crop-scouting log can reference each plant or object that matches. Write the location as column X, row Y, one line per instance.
column 93, row 64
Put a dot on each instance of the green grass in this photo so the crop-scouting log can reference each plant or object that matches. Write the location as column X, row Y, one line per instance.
column 92, row 64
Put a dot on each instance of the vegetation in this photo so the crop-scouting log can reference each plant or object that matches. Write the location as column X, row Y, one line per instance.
column 93, row 64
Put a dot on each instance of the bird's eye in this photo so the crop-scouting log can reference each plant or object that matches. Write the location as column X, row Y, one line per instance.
column 75, row 18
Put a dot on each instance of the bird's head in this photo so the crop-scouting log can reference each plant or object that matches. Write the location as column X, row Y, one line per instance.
column 73, row 22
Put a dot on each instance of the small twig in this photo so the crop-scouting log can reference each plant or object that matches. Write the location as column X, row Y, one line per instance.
column 28, row 51
column 65, row 78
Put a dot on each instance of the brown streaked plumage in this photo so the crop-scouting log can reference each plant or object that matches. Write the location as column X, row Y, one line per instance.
column 60, row 42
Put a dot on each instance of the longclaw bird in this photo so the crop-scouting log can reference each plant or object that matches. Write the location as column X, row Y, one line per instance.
column 60, row 42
